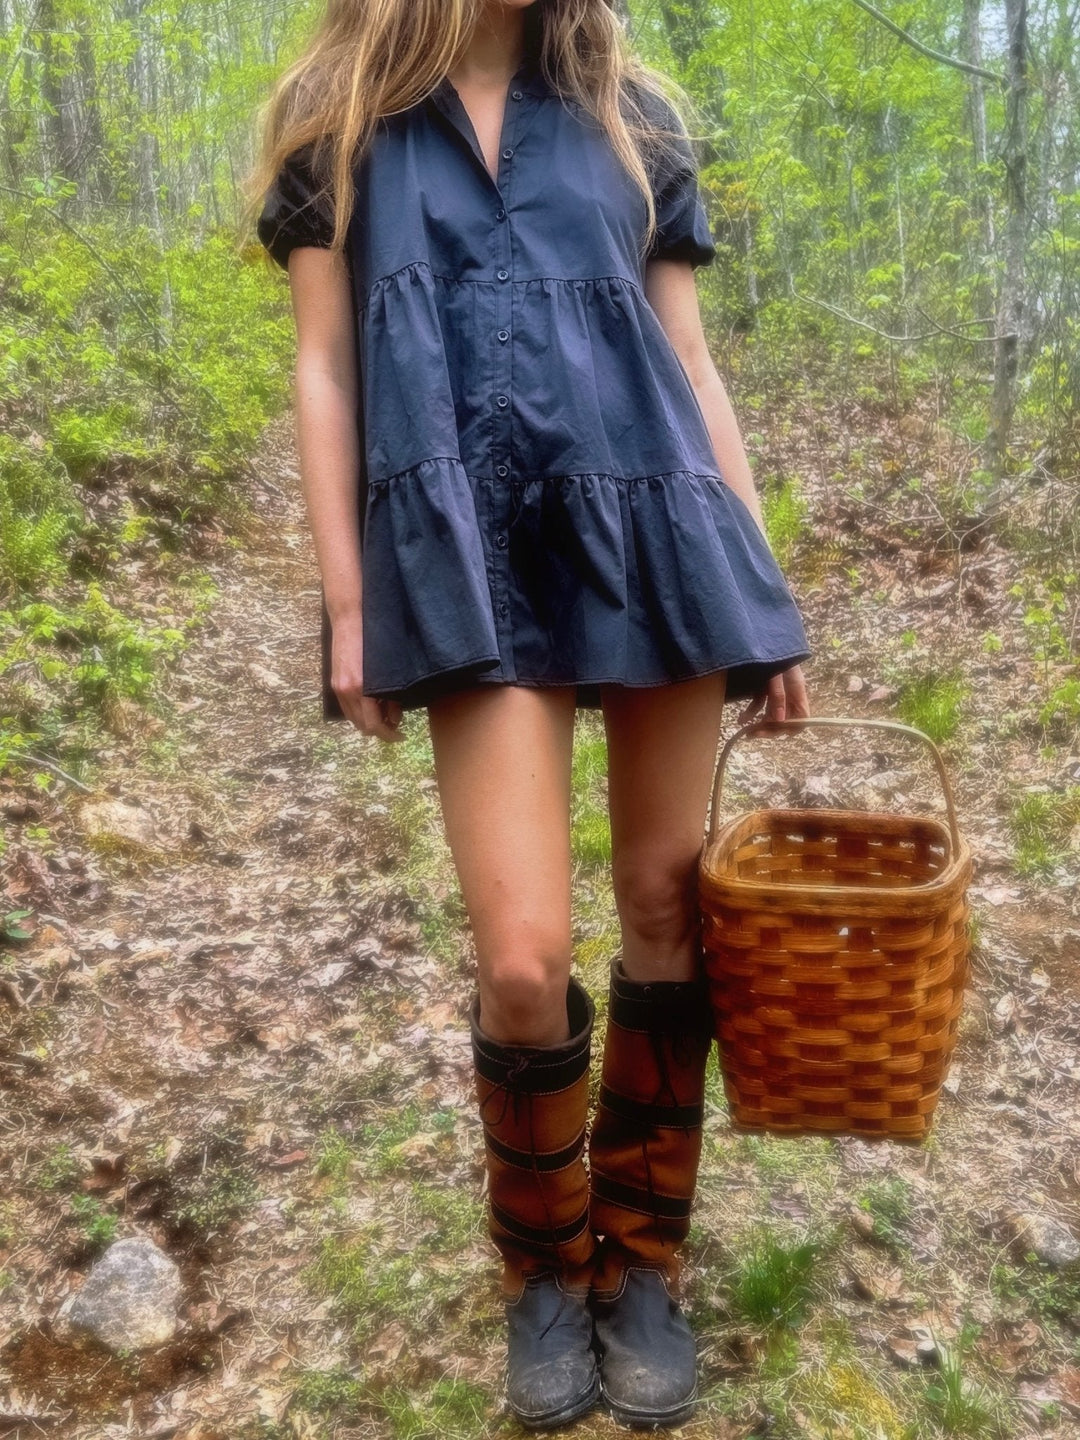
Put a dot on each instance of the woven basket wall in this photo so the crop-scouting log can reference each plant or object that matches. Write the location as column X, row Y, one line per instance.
column 837, row 949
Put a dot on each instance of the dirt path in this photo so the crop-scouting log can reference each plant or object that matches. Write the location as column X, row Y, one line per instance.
column 231, row 1032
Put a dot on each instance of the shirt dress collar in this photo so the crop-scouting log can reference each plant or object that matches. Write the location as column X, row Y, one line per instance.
column 528, row 77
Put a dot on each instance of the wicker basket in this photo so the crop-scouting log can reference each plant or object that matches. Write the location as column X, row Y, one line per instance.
column 837, row 949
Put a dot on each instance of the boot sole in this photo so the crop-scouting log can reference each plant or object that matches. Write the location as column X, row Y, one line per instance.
column 638, row 1419
column 553, row 1419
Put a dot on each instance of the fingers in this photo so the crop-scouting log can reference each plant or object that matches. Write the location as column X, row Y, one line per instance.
column 776, row 702
column 376, row 721
column 784, row 697
column 368, row 714
column 798, row 702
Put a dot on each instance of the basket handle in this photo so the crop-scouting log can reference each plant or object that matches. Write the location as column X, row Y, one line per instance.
column 765, row 727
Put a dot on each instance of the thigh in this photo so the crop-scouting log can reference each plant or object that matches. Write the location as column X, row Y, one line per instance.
column 662, row 746
column 503, row 758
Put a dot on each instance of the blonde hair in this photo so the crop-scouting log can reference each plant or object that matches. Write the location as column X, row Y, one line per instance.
column 370, row 58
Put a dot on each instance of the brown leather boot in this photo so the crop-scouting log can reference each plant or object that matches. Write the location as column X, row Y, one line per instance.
column 643, row 1155
column 534, row 1105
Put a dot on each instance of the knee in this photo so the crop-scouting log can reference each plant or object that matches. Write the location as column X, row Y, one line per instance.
column 523, row 996
column 657, row 898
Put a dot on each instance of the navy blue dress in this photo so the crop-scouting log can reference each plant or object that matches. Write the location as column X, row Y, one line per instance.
column 540, row 501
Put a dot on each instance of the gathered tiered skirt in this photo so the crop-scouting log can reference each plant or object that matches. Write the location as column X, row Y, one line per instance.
column 579, row 580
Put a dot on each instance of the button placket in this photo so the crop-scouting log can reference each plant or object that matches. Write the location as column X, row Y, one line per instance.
column 502, row 407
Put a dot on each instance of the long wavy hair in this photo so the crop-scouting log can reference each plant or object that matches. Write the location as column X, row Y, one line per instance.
column 370, row 58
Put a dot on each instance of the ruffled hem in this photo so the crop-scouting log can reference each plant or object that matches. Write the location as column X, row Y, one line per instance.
column 744, row 680
column 580, row 580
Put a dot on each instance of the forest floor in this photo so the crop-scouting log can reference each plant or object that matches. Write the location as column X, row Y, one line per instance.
column 237, row 1026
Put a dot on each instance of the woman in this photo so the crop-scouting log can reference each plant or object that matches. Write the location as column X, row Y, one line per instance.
column 528, row 492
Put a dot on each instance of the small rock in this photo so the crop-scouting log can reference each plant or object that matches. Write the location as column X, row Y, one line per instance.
column 266, row 678
column 887, row 781
column 862, row 1222
column 128, row 823
column 905, row 1351
column 1003, row 1017
column 129, row 1299
column 1051, row 1241
column 20, row 809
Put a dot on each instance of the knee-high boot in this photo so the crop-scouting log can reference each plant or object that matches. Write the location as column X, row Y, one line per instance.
column 643, row 1153
column 534, row 1107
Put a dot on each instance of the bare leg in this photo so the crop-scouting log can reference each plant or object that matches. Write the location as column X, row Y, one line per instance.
column 646, row 1138
column 662, row 746
column 502, row 759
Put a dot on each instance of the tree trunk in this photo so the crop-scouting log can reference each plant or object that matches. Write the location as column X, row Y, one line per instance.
column 971, row 41
column 1011, row 304
column 52, row 108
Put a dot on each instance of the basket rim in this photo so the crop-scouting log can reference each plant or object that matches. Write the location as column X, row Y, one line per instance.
column 943, row 882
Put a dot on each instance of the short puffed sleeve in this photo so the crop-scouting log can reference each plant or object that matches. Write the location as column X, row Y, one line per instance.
column 682, row 227
column 293, row 213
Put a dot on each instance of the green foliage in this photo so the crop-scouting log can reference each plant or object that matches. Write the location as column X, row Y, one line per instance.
column 10, row 926
column 59, row 1170
column 889, row 1200
column 590, row 834
column 97, row 1224
column 1062, row 708
column 1049, row 601
column 1051, row 1294
column 323, row 1391
column 210, row 1198
column 177, row 396
column 850, row 210
column 1043, row 824
column 333, row 1155
column 449, row 1410
column 785, row 513
column 772, row 1282
column 134, row 384
column 960, row 1404
column 67, row 662
column 378, row 1275
column 39, row 512
column 88, row 654
column 932, row 702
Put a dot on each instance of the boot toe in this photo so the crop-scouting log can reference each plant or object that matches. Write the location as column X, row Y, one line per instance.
column 637, row 1395
column 648, row 1357
column 552, row 1392
column 551, row 1368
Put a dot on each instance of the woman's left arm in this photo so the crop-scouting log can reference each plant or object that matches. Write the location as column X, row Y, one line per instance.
column 671, row 290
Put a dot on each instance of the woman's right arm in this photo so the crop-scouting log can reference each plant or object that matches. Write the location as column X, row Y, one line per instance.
column 325, row 393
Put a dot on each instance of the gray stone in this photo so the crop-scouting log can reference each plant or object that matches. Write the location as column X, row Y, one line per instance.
column 1051, row 1241
column 129, row 1299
